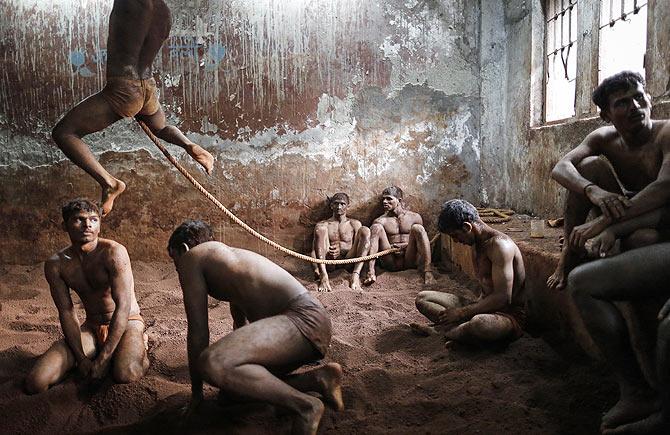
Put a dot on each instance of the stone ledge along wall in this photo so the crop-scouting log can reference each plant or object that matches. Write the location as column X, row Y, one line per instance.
column 296, row 100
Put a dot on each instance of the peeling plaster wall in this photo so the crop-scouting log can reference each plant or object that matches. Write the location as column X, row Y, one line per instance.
column 295, row 99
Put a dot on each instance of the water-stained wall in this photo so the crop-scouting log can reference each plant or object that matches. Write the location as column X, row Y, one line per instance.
column 296, row 99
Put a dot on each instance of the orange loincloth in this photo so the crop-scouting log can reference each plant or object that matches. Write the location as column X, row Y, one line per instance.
column 102, row 330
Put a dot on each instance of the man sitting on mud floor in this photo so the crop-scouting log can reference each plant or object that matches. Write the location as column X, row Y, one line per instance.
column 497, row 315
column 98, row 270
column 638, row 149
column 403, row 229
column 635, row 275
column 277, row 327
column 137, row 29
column 340, row 237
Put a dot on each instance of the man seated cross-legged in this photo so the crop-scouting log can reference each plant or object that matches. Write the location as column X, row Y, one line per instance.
column 277, row 327
column 112, row 336
column 403, row 229
column 497, row 315
column 340, row 237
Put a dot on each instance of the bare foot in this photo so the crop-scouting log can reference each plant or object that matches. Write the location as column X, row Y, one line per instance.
column 422, row 330
column 317, row 274
column 629, row 408
column 355, row 283
column 428, row 278
column 109, row 194
column 329, row 378
column 558, row 279
column 201, row 156
column 370, row 279
column 308, row 422
column 324, row 285
column 654, row 424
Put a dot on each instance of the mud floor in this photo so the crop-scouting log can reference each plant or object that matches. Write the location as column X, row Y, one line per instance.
column 394, row 381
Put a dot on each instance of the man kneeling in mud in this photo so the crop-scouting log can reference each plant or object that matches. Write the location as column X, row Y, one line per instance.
column 112, row 336
column 340, row 237
column 277, row 327
column 500, row 270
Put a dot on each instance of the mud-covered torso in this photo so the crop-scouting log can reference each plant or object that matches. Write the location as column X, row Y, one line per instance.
column 638, row 166
column 253, row 283
column 342, row 234
column 398, row 227
column 89, row 278
column 483, row 266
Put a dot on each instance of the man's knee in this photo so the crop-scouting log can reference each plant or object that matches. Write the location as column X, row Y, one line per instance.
column 376, row 229
column 421, row 300
column 591, row 167
column 364, row 232
column 417, row 230
column 215, row 369
column 642, row 237
column 59, row 133
column 321, row 230
column 130, row 373
column 35, row 383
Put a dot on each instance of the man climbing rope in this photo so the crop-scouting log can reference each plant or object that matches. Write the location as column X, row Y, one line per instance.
column 137, row 29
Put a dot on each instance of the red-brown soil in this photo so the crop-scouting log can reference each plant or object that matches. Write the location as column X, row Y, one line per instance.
column 394, row 381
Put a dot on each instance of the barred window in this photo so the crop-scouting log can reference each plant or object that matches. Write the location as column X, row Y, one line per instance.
column 560, row 62
column 623, row 36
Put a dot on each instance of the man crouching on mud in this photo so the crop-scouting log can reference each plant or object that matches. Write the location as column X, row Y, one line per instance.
column 277, row 327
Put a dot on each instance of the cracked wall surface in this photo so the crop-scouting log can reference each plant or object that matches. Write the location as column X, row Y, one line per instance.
column 296, row 100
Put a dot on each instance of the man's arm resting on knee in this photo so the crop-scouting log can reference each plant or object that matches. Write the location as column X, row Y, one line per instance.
column 565, row 172
column 66, row 314
column 121, row 284
column 194, row 289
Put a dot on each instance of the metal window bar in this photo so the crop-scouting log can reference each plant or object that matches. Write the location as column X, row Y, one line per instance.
column 559, row 17
column 622, row 17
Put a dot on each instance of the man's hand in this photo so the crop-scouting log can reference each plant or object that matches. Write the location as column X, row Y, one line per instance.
column 99, row 369
column 603, row 244
column 612, row 205
column 84, row 367
column 333, row 251
column 582, row 233
column 448, row 316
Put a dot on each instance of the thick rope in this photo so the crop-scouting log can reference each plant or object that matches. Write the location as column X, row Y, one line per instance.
column 495, row 215
column 241, row 223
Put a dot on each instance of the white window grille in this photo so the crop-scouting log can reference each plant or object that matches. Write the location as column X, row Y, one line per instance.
column 623, row 37
column 561, row 65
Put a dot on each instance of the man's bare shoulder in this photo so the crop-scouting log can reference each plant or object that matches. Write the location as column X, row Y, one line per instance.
column 355, row 223
column 602, row 136
column 414, row 216
column 663, row 128
column 501, row 246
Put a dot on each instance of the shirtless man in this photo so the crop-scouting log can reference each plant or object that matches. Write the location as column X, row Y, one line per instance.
column 98, row 270
column 277, row 327
column 497, row 314
column 403, row 229
column 631, row 276
column 137, row 29
column 340, row 237
column 638, row 149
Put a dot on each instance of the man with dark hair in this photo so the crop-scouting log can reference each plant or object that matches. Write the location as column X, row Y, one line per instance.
column 137, row 29
column 277, row 327
column 633, row 180
column 497, row 314
column 340, row 237
column 112, row 335
column 403, row 229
